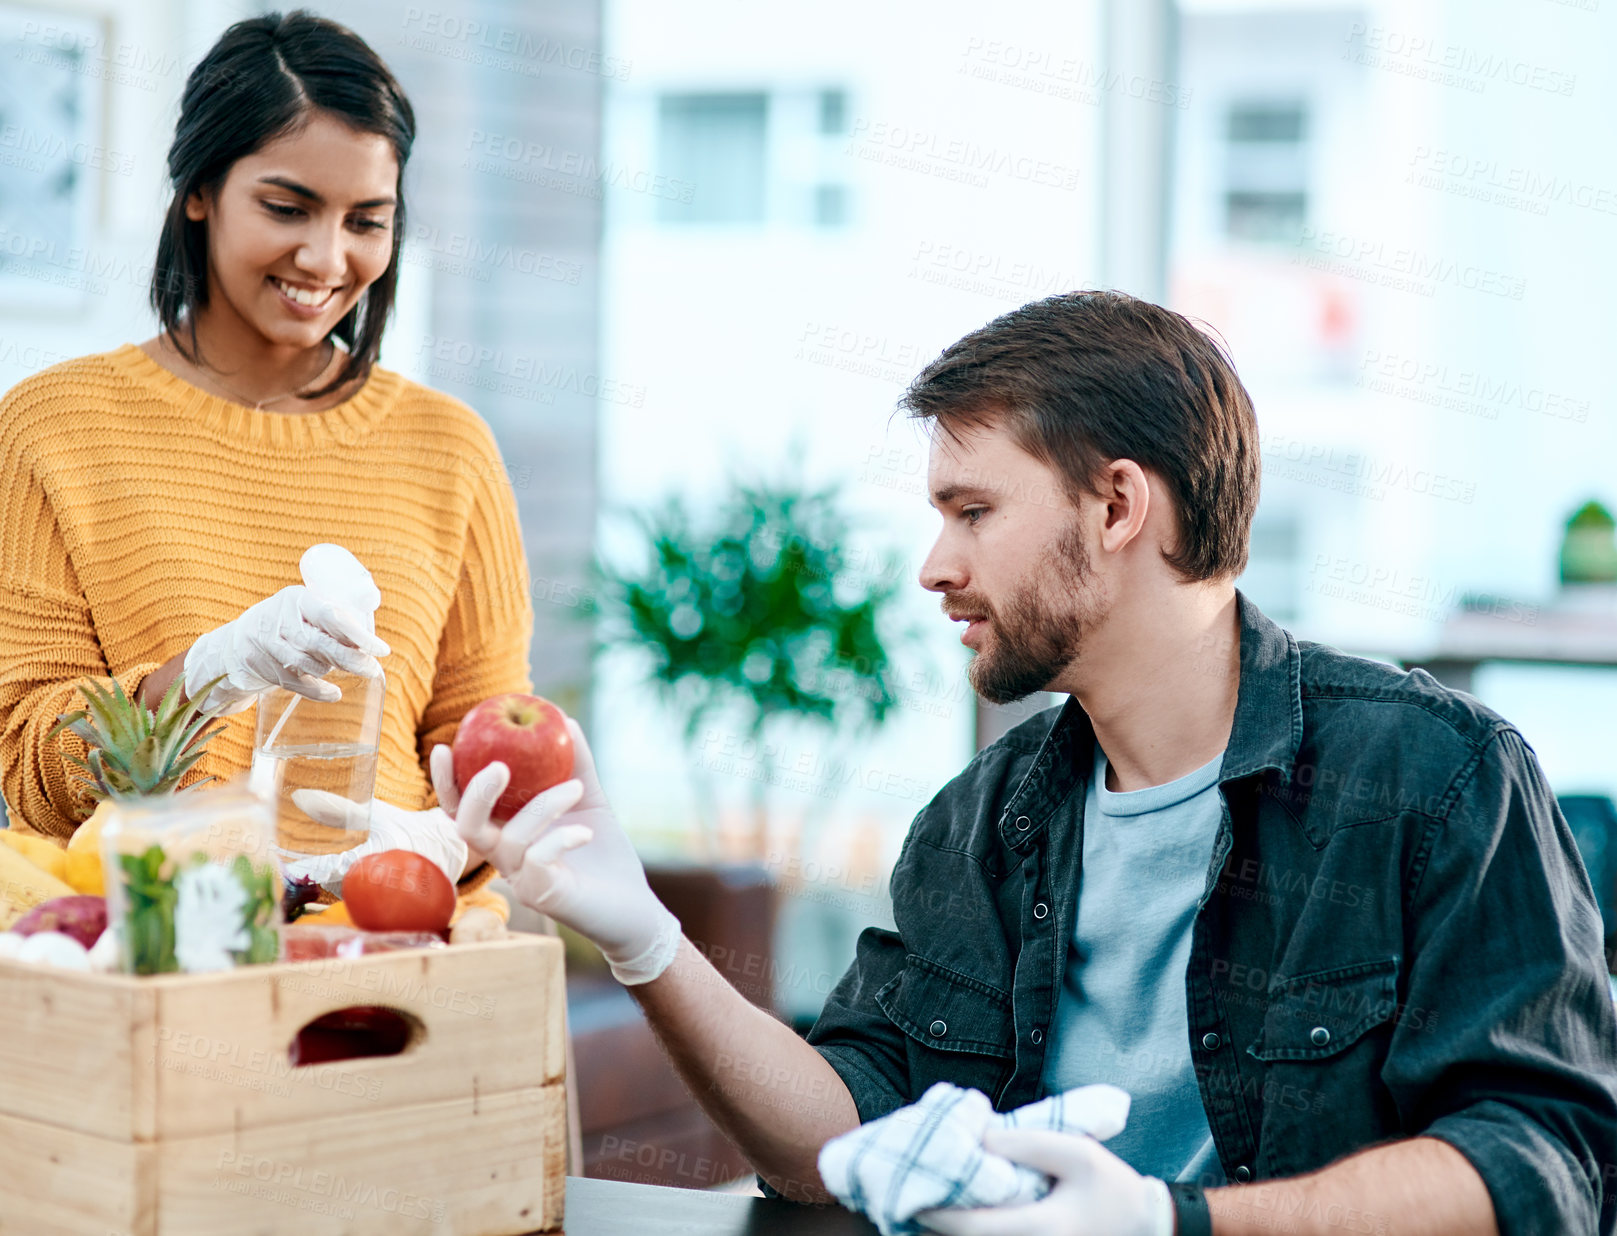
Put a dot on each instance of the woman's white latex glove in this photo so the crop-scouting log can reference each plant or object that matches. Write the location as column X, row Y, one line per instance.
column 431, row 833
column 1094, row 1192
column 565, row 855
column 291, row 640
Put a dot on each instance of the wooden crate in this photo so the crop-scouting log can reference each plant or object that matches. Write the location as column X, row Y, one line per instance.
column 168, row 1105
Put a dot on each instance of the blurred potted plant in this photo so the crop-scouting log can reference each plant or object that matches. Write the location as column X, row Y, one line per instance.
column 759, row 609
column 1589, row 548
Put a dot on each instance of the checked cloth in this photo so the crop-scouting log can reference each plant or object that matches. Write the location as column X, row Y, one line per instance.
column 930, row 1154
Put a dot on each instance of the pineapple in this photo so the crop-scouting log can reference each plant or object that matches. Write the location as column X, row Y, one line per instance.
column 133, row 754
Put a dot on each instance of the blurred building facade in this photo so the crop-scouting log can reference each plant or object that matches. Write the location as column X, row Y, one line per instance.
column 1387, row 210
column 1390, row 211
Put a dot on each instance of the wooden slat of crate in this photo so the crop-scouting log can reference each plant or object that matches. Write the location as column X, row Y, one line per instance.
column 486, row 1167
column 104, row 1054
column 67, row 1056
column 62, row 1181
column 489, row 1167
column 491, row 1013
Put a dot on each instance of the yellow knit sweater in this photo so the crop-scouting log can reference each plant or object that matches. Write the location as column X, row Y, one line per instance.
column 138, row 511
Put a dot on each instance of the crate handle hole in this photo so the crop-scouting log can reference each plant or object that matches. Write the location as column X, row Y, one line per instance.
column 354, row 1034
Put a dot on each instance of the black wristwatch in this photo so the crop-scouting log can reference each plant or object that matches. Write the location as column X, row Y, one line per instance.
column 1191, row 1217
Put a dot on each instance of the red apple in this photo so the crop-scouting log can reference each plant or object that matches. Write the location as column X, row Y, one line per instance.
column 525, row 733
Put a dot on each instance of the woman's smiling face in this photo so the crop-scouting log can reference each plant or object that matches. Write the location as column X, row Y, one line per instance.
column 306, row 218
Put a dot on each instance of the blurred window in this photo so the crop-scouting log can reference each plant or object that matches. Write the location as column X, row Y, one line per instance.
column 1266, row 171
column 830, row 205
column 1266, row 123
column 753, row 158
column 833, row 112
column 716, row 143
column 1271, row 578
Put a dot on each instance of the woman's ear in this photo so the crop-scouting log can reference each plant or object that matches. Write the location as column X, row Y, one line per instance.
column 196, row 206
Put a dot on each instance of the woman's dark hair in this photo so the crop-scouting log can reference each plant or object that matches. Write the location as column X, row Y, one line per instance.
column 262, row 80
column 1084, row 378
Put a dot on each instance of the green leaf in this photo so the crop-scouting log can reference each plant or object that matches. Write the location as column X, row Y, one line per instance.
column 67, row 721
column 149, row 922
column 755, row 606
column 120, row 720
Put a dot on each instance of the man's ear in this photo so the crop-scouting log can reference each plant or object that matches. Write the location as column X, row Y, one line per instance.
column 1125, row 500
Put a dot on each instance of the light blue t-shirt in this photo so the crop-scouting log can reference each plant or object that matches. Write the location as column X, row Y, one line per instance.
column 1121, row 1015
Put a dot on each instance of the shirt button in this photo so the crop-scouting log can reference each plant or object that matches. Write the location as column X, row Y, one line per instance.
column 1211, row 1041
column 1023, row 823
column 1040, row 910
column 1037, row 1036
column 939, row 1029
column 1243, row 1173
column 1319, row 1036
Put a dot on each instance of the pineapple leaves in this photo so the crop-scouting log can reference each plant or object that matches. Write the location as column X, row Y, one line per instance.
column 183, row 741
column 132, row 752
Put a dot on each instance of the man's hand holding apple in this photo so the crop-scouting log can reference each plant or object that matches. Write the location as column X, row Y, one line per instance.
column 565, row 854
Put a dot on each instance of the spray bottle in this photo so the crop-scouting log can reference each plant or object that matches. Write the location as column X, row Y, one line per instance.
column 323, row 744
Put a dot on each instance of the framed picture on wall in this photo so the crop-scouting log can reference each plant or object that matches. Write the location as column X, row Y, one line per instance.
column 52, row 155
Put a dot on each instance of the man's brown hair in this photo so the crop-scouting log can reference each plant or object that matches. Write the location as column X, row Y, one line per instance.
column 1085, row 378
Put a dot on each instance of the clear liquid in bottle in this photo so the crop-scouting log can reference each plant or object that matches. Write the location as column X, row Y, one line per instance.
column 345, row 769
column 325, row 746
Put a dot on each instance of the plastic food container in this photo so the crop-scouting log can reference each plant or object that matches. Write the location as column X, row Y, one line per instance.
column 193, row 884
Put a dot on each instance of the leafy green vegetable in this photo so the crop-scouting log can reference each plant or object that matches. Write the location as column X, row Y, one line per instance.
column 263, row 910
column 151, row 896
column 149, row 924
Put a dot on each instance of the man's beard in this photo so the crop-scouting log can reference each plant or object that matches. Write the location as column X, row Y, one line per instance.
column 1031, row 642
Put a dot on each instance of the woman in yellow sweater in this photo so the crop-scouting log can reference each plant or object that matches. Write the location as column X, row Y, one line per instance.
column 151, row 494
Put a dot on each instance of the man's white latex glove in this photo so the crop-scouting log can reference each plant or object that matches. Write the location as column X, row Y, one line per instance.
column 565, row 855
column 291, row 640
column 1094, row 1192
column 431, row 833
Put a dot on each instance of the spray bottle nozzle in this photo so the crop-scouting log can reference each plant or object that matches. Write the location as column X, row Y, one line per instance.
column 335, row 573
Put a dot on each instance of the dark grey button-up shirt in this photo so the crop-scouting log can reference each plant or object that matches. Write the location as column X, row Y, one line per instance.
column 1397, row 938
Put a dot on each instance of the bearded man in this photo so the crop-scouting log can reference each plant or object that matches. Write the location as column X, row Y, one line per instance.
column 1320, row 917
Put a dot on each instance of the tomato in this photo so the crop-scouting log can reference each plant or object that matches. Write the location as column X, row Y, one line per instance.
column 398, row 890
